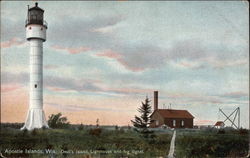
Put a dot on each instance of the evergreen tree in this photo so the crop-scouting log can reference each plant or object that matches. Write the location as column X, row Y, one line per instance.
column 142, row 123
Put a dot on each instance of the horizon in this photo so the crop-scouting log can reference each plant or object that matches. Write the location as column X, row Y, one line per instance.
column 101, row 59
column 209, row 125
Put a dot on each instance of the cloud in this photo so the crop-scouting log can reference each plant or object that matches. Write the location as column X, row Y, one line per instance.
column 74, row 35
column 9, row 78
column 49, row 66
column 100, row 32
column 71, row 50
column 119, row 58
column 103, row 29
column 206, row 100
column 148, row 56
column 11, row 81
column 190, row 54
column 60, row 84
column 186, row 98
column 51, row 82
column 228, row 63
column 12, row 42
column 84, row 85
column 12, row 29
column 235, row 95
column 9, row 87
column 137, row 58
column 109, row 54
column 85, row 31
column 129, row 90
column 187, row 49
column 107, row 26
column 187, row 64
column 69, row 107
column 57, row 89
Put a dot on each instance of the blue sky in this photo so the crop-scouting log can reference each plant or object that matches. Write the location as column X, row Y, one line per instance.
column 110, row 55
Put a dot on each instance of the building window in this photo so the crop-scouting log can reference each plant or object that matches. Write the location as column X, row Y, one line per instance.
column 157, row 122
column 182, row 123
column 35, row 85
column 174, row 123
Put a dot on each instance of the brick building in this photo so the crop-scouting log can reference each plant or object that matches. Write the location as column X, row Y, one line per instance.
column 170, row 117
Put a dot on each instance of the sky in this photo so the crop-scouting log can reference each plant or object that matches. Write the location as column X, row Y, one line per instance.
column 101, row 59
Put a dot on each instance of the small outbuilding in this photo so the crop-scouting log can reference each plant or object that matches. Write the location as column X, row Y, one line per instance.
column 219, row 124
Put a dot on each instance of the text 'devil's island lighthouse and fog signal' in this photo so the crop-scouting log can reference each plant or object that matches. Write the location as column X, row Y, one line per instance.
column 35, row 34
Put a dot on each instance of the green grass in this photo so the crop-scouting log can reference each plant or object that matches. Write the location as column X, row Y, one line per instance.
column 211, row 144
column 119, row 142
column 111, row 143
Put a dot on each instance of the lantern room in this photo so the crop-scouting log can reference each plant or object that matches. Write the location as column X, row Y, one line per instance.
column 35, row 16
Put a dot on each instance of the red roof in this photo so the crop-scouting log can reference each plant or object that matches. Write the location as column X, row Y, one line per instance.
column 170, row 113
column 219, row 123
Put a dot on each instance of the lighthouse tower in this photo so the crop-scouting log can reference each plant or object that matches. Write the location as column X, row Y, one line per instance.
column 35, row 34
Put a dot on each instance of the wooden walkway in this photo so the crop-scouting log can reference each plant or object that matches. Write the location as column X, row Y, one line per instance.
column 172, row 146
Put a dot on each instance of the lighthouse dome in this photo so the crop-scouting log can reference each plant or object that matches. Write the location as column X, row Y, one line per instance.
column 35, row 16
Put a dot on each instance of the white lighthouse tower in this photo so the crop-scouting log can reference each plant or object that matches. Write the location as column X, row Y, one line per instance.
column 35, row 34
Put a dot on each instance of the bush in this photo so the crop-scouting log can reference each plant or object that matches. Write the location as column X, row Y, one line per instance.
column 80, row 127
column 34, row 132
column 95, row 132
column 221, row 131
column 57, row 121
column 243, row 131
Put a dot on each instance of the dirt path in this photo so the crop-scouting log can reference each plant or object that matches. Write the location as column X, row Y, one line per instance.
column 172, row 145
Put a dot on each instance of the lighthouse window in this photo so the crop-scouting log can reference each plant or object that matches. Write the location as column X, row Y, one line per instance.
column 35, row 85
column 40, row 16
column 34, row 17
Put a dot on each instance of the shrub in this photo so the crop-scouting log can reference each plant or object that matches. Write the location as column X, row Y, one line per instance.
column 95, row 132
column 34, row 132
column 243, row 131
column 57, row 121
column 80, row 127
column 221, row 131
column 44, row 128
column 25, row 132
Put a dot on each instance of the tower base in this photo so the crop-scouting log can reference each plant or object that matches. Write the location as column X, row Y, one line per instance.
column 35, row 119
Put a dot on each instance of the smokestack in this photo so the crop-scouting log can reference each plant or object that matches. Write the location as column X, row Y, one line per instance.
column 155, row 100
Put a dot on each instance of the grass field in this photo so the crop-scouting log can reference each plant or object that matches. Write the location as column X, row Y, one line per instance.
column 112, row 142
column 87, row 142
column 212, row 143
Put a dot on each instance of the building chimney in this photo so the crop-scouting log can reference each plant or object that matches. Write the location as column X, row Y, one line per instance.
column 155, row 100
